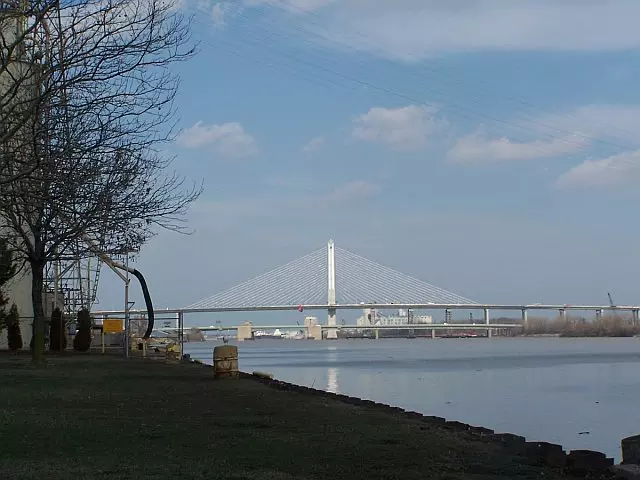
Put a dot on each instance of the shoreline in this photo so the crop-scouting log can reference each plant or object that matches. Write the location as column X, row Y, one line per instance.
column 173, row 417
column 401, row 375
column 581, row 462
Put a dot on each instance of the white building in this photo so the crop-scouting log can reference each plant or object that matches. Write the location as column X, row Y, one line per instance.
column 373, row 317
column 18, row 290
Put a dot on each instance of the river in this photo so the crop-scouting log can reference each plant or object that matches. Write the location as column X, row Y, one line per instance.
column 580, row 393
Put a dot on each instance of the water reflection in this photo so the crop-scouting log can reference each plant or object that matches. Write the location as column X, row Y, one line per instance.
column 332, row 372
column 332, row 380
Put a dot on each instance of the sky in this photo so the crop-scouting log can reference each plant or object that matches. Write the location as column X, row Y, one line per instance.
column 488, row 147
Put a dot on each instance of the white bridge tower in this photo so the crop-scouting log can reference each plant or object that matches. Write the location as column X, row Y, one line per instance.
column 331, row 290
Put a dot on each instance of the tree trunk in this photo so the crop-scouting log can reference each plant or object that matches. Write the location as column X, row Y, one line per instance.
column 37, row 285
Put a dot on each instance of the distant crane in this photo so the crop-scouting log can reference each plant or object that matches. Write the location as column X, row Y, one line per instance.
column 610, row 300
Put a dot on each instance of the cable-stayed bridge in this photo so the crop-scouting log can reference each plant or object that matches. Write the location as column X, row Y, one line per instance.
column 329, row 276
column 333, row 278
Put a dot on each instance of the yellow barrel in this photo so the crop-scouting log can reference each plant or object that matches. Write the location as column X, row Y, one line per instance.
column 225, row 361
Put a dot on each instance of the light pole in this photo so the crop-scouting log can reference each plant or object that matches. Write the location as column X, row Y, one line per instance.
column 127, row 328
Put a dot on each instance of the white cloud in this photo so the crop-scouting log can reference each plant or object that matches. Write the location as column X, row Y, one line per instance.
column 220, row 12
column 613, row 123
column 556, row 134
column 227, row 139
column 415, row 29
column 476, row 148
column 406, row 129
column 608, row 172
column 218, row 15
column 313, row 145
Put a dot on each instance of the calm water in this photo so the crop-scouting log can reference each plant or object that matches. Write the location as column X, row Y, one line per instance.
column 549, row 389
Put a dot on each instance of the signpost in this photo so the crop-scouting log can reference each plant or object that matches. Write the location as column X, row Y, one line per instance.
column 111, row 325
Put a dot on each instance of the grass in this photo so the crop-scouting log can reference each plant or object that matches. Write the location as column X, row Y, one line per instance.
column 95, row 417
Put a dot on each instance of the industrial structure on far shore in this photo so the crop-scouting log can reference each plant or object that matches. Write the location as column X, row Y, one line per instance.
column 372, row 317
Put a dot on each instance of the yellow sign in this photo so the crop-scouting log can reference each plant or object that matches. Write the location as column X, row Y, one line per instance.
column 112, row 325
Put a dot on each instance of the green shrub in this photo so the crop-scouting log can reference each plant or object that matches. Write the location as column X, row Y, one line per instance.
column 82, row 340
column 7, row 271
column 57, row 337
column 14, row 335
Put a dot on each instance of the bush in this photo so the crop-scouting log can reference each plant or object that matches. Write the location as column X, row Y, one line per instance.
column 14, row 335
column 57, row 337
column 7, row 271
column 82, row 340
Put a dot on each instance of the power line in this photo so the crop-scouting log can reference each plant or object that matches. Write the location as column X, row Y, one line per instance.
column 466, row 112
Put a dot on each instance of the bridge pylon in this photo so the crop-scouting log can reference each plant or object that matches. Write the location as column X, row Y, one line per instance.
column 332, row 333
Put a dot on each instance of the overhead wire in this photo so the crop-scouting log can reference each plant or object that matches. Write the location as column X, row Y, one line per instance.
column 419, row 66
column 536, row 146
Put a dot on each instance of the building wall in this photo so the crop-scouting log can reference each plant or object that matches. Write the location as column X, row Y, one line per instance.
column 18, row 292
column 19, row 289
column 376, row 318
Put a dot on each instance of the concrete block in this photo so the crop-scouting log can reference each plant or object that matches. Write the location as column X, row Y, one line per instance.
column 458, row 426
column 314, row 332
column 483, row 432
column 245, row 332
column 515, row 443
column 631, row 450
column 627, row 471
column 585, row 461
column 410, row 414
column 434, row 420
column 510, row 438
column 548, row 453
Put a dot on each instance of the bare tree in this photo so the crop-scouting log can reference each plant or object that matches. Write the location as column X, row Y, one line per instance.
column 95, row 165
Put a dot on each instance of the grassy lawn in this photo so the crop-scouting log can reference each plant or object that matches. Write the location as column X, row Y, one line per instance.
column 82, row 417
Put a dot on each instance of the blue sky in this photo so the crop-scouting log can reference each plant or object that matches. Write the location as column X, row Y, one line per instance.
column 488, row 147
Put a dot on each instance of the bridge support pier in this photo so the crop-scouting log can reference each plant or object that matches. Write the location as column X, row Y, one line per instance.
column 487, row 321
column 563, row 314
column 598, row 315
column 433, row 333
column 332, row 333
column 314, row 332
column 634, row 317
column 525, row 320
column 245, row 332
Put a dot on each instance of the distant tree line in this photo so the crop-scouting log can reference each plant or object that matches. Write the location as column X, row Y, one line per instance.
column 569, row 326
column 605, row 326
